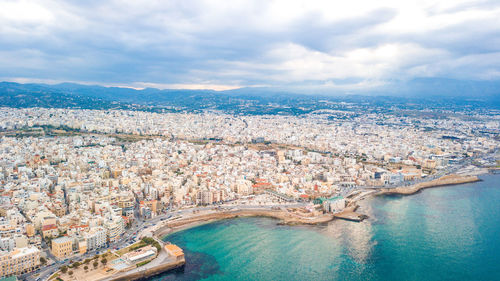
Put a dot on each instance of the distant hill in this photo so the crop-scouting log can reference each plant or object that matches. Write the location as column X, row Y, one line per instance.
column 38, row 95
column 418, row 93
column 69, row 95
column 129, row 95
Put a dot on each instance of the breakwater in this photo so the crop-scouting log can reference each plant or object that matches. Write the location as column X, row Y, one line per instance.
column 442, row 181
column 350, row 214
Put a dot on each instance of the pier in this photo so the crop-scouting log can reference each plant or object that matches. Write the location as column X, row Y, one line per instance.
column 351, row 216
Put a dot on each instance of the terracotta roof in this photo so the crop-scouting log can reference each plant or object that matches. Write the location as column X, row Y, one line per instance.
column 49, row 227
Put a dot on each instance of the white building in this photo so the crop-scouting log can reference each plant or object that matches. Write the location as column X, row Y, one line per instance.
column 96, row 238
column 114, row 226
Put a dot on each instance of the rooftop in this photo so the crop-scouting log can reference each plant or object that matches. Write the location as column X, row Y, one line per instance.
column 174, row 250
column 63, row 239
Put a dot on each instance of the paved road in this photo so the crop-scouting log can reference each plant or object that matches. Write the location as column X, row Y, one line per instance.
column 137, row 226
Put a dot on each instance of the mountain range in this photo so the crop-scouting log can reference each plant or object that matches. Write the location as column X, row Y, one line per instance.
column 425, row 92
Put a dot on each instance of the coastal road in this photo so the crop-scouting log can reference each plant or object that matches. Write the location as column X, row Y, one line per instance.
column 139, row 225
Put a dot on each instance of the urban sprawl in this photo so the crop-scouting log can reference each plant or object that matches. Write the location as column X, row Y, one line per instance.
column 75, row 183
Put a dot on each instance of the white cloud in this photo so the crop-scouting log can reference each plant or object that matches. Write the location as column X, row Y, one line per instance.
column 30, row 12
column 224, row 44
column 290, row 63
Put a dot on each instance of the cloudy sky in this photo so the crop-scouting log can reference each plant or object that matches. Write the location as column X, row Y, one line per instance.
column 230, row 44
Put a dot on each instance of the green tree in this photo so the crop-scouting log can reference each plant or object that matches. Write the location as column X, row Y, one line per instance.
column 70, row 272
column 157, row 246
column 86, row 268
column 43, row 260
column 104, row 261
column 64, row 269
column 95, row 264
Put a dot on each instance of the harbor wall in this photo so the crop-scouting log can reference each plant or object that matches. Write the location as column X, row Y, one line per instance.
column 442, row 181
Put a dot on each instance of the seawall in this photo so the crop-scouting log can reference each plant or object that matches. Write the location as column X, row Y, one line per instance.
column 442, row 181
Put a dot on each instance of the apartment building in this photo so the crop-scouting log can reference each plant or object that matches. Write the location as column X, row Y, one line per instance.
column 19, row 261
column 62, row 247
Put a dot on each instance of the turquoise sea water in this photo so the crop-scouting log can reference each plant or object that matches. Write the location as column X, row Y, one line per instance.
column 447, row 233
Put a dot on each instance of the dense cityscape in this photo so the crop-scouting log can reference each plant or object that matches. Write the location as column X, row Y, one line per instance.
column 76, row 183
column 277, row 140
